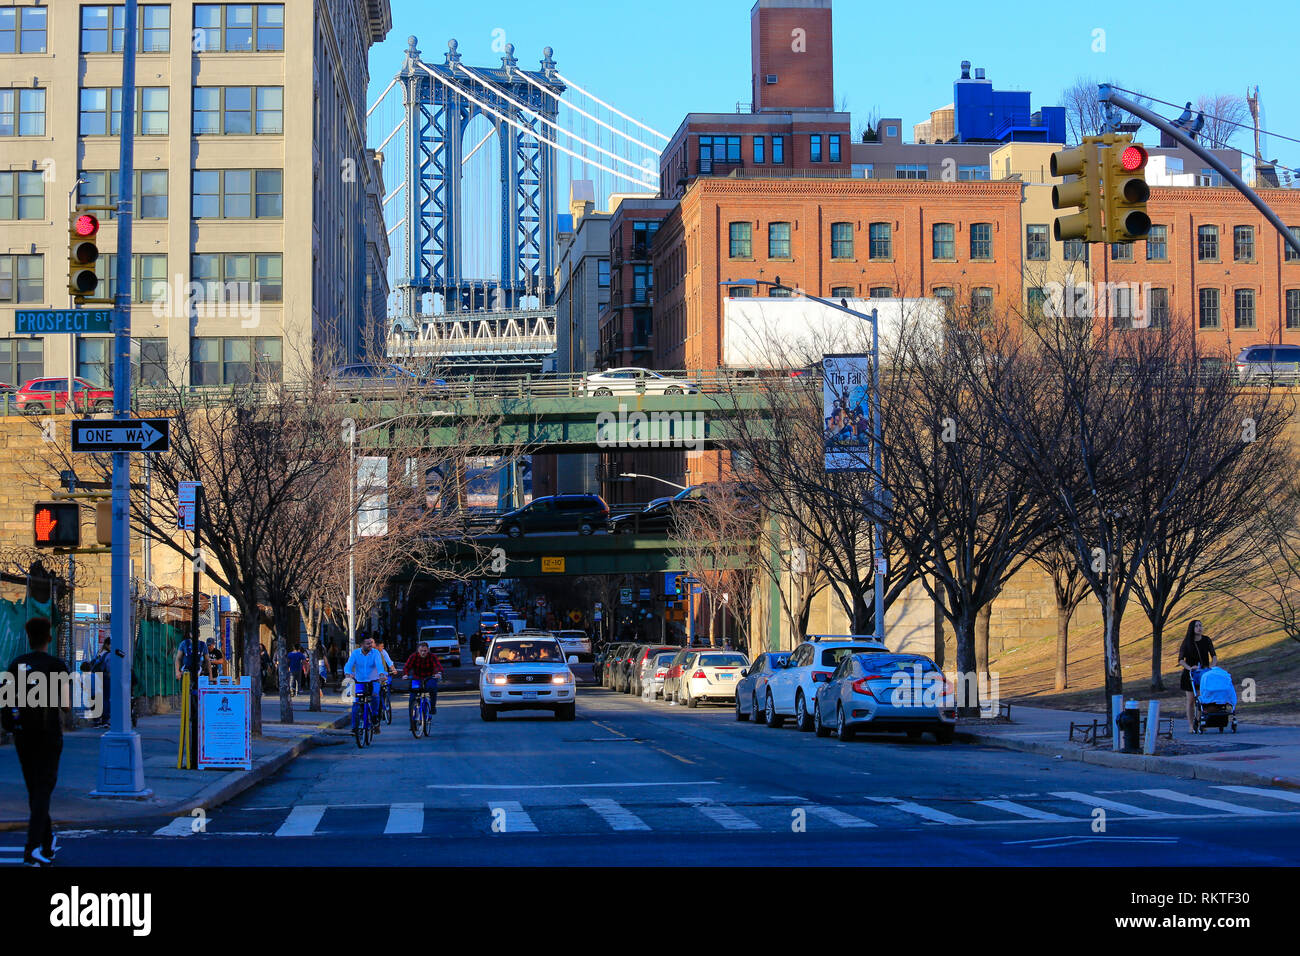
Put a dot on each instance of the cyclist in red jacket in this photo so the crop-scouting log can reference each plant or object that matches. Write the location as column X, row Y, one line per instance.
column 424, row 667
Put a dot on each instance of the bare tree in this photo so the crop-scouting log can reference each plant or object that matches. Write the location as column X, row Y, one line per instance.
column 1083, row 113
column 715, row 537
column 1226, row 115
column 1271, row 591
column 1061, row 562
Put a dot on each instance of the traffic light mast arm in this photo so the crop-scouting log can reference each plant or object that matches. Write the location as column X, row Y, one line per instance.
column 1106, row 95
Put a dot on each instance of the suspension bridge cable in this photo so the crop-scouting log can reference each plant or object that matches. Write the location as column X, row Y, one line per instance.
column 478, row 146
column 397, row 189
column 387, row 89
column 456, row 88
column 396, row 129
column 521, row 107
column 578, row 109
column 612, row 109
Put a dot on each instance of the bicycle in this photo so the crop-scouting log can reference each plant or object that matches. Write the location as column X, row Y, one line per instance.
column 386, row 702
column 422, row 713
column 363, row 730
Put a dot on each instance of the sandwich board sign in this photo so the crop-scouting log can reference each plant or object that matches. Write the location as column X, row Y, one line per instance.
column 225, row 724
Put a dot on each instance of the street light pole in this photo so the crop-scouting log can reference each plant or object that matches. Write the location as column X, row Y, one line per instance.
column 350, row 436
column 629, row 474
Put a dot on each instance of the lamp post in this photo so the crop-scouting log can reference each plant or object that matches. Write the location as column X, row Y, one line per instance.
column 877, row 462
column 631, row 474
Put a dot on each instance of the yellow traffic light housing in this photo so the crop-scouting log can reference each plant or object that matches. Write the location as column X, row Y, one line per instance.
column 83, row 252
column 1084, row 192
column 1125, row 190
column 104, row 521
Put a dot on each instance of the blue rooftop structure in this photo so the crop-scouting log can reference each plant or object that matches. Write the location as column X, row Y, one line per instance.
column 985, row 115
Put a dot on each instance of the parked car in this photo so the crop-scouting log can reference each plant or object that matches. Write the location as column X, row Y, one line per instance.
column 752, row 685
column 791, row 688
column 652, row 681
column 527, row 671
column 444, row 641
column 609, row 663
column 886, row 692
column 575, row 642
column 1265, row 364
column 662, row 518
column 372, row 379
column 712, row 675
column 622, row 675
column 50, row 395
column 585, row 514
column 672, row 679
column 641, row 661
column 622, row 381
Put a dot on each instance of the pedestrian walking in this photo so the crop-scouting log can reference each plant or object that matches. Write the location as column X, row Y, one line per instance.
column 38, row 735
column 216, row 659
column 295, row 664
column 1196, row 652
column 99, row 667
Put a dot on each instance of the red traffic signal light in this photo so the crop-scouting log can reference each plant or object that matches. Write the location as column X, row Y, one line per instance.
column 1133, row 159
column 86, row 225
column 57, row 524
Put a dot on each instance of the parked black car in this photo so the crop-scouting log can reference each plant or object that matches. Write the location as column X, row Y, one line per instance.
column 585, row 514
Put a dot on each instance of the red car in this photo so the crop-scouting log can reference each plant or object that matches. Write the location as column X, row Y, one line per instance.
column 47, row 395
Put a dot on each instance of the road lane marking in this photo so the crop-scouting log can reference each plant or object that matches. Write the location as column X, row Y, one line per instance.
column 1264, row 792
column 927, row 813
column 674, row 756
column 839, row 817
column 14, row 849
column 1115, row 805
column 567, row 786
column 302, row 821
column 1021, row 810
column 615, row 814
column 405, row 818
column 516, row 820
column 720, row 814
column 1208, row 804
column 181, row 826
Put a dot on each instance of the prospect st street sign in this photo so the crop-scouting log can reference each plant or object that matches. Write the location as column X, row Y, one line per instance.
column 144, row 434
column 53, row 321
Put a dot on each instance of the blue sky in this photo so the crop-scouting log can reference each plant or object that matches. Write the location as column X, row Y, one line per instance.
column 661, row 59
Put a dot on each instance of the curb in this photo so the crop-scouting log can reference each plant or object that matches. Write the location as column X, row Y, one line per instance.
column 1171, row 766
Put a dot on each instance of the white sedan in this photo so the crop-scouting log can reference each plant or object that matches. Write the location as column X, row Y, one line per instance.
column 624, row 381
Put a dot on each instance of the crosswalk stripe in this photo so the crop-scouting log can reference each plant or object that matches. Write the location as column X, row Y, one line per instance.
column 927, row 813
column 839, row 817
column 181, row 826
column 1209, row 804
column 1264, row 792
column 1020, row 810
column 615, row 814
column 517, row 821
column 301, row 821
column 11, row 849
column 1115, row 805
column 721, row 814
column 405, row 818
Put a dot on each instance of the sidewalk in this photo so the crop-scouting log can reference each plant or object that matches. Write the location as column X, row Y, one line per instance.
column 174, row 791
column 1256, row 755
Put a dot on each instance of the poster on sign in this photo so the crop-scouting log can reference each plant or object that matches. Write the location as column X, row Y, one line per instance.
column 225, row 724
column 846, row 404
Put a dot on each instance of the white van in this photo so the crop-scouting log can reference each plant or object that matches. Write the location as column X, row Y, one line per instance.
column 443, row 641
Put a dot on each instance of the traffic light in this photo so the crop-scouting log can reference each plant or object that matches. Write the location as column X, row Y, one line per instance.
column 83, row 251
column 104, row 522
column 1124, row 190
column 57, row 524
column 1081, row 162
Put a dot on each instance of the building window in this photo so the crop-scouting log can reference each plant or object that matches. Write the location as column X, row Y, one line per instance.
column 1035, row 302
column 148, row 277
column 1290, row 254
column 740, row 292
column 101, row 111
column 1243, row 243
column 972, row 172
column 882, row 292
column 21, row 360
column 783, row 292
column 1037, row 246
column 22, row 279
column 643, row 237
column 1293, row 308
column 835, row 148
column 238, row 27
column 760, row 149
column 717, row 151
column 152, row 192
column 1207, row 243
column 981, row 240
column 981, row 300
column 778, row 150
column 22, row 195
column 943, row 241
column 841, row 240
column 238, row 194
column 843, row 292
column 94, row 361
column 880, row 241
column 1209, row 308
column 102, row 28
column 602, row 273
column 235, row 360
column 864, row 170
column 911, row 171
column 22, row 112
column 99, row 188
column 1158, row 308
column 1121, row 252
column 22, row 30
column 226, row 277
column 1122, row 307
column 151, row 372
column 778, row 240
column 815, row 148
column 239, row 110
column 945, row 295
column 742, row 240
column 1158, row 243
column 1243, row 316
column 643, row 282
column 1075, row 250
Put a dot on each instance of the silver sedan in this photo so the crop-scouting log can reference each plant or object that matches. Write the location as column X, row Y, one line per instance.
column 752, row 686
column 886, row 692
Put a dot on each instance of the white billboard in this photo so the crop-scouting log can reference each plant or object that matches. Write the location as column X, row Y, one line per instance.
column 797, row 332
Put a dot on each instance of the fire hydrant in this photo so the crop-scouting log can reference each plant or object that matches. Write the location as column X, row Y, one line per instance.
column 1129, row 723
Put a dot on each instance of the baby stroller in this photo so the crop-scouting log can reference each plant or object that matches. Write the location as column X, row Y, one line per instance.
column 1216, row 699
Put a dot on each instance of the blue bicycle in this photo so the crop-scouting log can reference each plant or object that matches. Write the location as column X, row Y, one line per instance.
column 422, row 711
column 364, row 718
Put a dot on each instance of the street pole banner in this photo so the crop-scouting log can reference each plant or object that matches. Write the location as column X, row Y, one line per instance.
column 846, row 403
column 225, row 724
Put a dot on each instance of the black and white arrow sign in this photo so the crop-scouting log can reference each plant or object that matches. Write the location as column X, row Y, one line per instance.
column 143, row 434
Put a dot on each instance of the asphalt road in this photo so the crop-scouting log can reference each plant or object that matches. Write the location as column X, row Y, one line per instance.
column 637, row 783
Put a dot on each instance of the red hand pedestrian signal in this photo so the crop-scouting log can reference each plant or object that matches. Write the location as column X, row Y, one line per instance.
column 45, row 525
column 57, row 524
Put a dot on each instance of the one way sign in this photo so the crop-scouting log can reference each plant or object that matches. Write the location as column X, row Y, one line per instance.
column 143, row 434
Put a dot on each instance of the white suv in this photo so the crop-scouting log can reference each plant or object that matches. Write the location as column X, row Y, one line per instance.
column 792, row 689
column 526, row 671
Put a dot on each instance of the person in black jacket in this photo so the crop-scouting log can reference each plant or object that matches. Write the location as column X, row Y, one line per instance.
column 1196, row 652
column 38, row 735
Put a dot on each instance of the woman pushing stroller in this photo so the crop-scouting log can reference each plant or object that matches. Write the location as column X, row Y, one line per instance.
column 1196, row 652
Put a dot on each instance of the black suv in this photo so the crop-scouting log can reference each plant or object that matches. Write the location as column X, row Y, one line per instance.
column 585, row 514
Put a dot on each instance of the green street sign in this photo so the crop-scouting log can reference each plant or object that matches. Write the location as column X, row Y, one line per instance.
column 68, row 321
